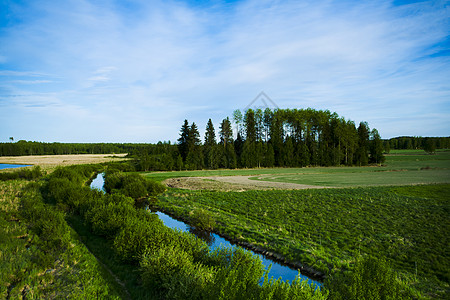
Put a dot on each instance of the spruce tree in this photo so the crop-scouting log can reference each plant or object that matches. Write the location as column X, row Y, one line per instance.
column 183, row 140
column 210, row 147
column 363, row 144
column 376, row 148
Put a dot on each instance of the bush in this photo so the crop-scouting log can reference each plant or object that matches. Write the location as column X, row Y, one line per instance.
column 139, row 237
column 370, row 278
column 238, row 274
column 23, row 173
column 107, row 219
column 131, row 185
column 201, row 219
column 172, row 274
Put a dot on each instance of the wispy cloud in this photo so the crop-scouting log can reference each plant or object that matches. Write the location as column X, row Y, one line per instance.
column 135, row 70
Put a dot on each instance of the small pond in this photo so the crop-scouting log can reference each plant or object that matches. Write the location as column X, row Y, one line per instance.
column 214, row 240
column 12, row 166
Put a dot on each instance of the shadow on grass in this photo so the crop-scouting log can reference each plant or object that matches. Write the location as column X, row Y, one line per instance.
column 126, row 275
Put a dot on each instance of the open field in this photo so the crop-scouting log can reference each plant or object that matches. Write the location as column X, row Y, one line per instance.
column 401, row 168
column 51, row 161
column 397, row 211
column 326, row 229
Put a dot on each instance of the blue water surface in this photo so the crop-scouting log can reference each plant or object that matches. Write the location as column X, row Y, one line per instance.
column 12, row 166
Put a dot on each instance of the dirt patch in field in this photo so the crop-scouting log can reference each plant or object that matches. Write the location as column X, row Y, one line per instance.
column 233, row 183
column 49, row 161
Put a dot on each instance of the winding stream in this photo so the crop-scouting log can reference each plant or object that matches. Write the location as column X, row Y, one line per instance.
column 214, row 240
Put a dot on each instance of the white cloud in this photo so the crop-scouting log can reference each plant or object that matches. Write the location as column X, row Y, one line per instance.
column 149, row 66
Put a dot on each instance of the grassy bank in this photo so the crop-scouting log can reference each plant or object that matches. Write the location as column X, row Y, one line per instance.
column 41, row 256
column 327, row 229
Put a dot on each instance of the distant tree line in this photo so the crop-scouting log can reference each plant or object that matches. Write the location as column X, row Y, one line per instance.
column 429, row 144
column 38, row 148
column 269, row 138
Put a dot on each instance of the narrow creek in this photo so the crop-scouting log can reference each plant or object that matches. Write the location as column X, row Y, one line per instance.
column 213, row 240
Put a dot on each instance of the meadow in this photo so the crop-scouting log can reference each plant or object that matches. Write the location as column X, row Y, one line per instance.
column 400, row 219
column 402, row 167
column 59, row 239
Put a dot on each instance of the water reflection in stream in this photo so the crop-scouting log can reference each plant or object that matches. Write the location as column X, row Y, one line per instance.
column 277, row 270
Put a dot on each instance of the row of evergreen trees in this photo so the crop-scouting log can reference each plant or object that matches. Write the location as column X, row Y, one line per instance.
column 280, row 138
column 23, row 147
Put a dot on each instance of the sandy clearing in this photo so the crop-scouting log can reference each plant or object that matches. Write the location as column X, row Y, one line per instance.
column 233, row 183
column 61, row 160
column 267, row 184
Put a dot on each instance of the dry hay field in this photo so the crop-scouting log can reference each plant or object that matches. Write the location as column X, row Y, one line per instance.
column 52, row 161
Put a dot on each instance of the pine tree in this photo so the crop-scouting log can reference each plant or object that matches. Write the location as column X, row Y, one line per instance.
column 210, row 147
column 183, row 140
column 226, row 132
column 376, row 148
column 227, row 153
column 363, row 144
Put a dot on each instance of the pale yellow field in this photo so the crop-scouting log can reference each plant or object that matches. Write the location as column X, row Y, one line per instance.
column 51, row 161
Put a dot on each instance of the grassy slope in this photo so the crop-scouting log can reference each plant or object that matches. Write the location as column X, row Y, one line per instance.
column 74, row 274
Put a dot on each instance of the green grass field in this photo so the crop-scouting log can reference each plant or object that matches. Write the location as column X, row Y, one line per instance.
column 406, row 222
column 402, row 167
column 327, row 228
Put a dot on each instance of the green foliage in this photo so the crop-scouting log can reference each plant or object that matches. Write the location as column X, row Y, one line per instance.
column 202, row 219
column 138, row 237
column 23, row 173
column 41, row 257
column 239, row 275
column 326, row 228
column 297, row 289
column 109, row 217
column 173, row 274
column 131, row 184
column 173, row 264
column 370, row 278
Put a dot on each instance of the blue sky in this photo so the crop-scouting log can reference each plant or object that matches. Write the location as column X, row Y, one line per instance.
column 132, row 71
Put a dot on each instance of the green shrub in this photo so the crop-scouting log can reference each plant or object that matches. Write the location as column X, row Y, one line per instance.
column 108, row 218
column 138, row 237
column 22, row 173
column 131, row 184
column 238, row 274
column 285, row 290
column 370, row 278
column 203, row 220
column 172, row 274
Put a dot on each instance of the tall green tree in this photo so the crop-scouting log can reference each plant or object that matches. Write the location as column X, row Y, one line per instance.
column 210, row 147
column 238, row 118
column 363, row 144
column 183, row 140
column 249, row 157
column 376, row 148
column 250, row 126
column 267, row 119
column 228, row 155
column 429, row 146
column 194, row 159
column 225, row 132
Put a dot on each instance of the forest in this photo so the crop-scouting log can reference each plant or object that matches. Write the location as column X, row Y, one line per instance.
column 279, row 138
column 269, row 138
